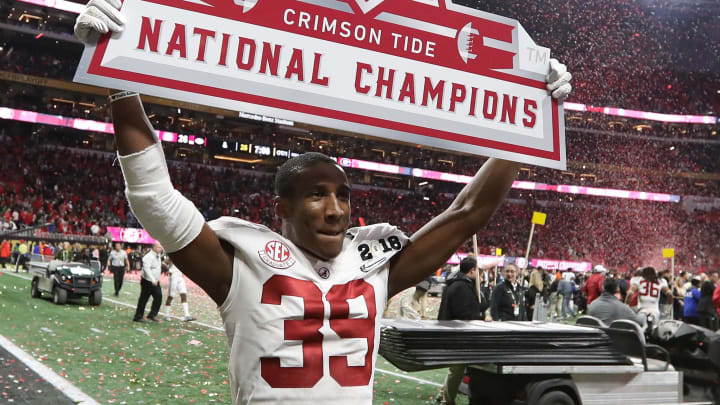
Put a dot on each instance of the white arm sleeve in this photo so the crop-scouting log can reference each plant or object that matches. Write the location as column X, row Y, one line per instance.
column 166, row 214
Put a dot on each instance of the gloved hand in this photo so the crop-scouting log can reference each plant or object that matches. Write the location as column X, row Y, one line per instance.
column 558, row 80
column 99, row 17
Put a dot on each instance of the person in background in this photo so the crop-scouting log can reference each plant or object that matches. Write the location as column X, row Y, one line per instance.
column 609, row 308
column 150, row 284
column 507, row 300
column 679, row 297
column 460, row 301
column 22, row 258
column 118, row 264
column 537, row 286
column 566, row 288
column 707, row 314
column 176, row 286
column 692, row 300
column 650, row 289
column 5, row 251
column 594, row 284
column 419, row 296
column 66, row 253
column 716, row 293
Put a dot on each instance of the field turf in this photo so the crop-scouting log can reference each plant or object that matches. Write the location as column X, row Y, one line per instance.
column 116, row 361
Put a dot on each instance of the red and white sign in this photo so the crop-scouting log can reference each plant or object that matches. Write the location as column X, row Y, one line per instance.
column 426, row 72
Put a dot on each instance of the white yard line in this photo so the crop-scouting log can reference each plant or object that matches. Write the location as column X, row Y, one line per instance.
column 407, row 377
column 420, row 380
column 50, row 376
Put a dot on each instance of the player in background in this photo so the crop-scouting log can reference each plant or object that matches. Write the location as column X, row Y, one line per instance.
column 648, row 287
column 301, row 309
column 176, row 286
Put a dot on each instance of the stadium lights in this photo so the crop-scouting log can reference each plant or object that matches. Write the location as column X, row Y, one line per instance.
column 234, row 159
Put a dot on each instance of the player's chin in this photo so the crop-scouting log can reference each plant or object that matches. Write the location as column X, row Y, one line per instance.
column 329, row 246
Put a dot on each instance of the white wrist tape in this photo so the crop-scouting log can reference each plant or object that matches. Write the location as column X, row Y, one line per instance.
column 121, row 95
column 166, row 214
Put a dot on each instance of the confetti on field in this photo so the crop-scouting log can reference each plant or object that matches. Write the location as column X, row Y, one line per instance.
column 101, row 351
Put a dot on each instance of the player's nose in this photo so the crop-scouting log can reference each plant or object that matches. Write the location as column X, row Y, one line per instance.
column 333, row 207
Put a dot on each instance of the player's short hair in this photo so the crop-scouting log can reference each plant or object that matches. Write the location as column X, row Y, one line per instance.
column 467, row 264
column 610, row 285
column 288, row 172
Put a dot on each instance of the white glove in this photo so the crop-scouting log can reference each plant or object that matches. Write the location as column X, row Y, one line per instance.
column 99, row 17
column 558, row 80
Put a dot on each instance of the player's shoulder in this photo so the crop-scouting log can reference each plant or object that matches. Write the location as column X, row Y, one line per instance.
column 239, row 232
column 375, row 232
column 224, row 224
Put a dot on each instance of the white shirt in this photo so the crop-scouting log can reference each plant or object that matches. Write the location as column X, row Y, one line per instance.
column 284, row 348
column 152, row 267
column 117, row 258
column 649, row 293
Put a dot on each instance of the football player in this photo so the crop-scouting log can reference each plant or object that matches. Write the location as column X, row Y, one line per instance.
column 302, row 308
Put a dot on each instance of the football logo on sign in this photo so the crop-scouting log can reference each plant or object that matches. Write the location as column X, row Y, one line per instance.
column 276, row 254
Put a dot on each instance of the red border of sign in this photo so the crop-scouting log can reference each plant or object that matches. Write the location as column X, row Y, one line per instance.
column 96, row 68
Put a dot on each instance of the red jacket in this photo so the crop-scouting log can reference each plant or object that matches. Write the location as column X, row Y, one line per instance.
column 594, row 286
column 5, row 249
column 716, row 299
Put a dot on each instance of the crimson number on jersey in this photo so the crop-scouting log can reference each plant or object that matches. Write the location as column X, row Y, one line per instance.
column 648, row 288
column 307, row 330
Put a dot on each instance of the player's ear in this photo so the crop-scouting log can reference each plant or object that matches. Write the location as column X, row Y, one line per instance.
column 282, row 207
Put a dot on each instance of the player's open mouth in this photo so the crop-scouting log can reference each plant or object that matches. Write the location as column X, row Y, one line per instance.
column 330, row 233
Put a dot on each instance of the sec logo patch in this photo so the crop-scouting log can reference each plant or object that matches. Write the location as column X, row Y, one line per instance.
column 276, row 254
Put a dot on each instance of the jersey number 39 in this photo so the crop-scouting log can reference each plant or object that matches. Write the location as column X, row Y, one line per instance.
column 307, row 330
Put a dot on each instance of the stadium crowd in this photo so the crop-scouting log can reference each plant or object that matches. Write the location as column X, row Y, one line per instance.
column 609, row 154
column 74, row 189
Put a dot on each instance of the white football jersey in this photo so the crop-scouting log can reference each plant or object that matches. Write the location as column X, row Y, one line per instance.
column 302, row 330
column 649, row 293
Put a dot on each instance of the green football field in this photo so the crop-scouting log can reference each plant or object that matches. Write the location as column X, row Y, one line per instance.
column 116, row 361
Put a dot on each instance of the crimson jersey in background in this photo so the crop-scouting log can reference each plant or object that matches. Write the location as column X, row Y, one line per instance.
column 594, row 286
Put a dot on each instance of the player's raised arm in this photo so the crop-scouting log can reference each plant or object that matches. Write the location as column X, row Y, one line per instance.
column 434, row 243
column 168, row 216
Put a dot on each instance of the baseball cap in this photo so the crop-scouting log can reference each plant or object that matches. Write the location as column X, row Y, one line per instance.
column 599, row 269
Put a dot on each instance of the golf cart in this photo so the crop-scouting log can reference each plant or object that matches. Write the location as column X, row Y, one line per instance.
column 533, row 363
column 66, row 280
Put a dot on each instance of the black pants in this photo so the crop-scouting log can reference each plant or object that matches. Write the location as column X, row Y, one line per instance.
column 146, row 290
column 118, row 276
column 22, row 261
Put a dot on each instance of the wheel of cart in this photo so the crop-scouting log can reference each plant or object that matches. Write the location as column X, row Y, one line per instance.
column 34, row 290
column 59, row 296
column 95, row 298
column 495, row 389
